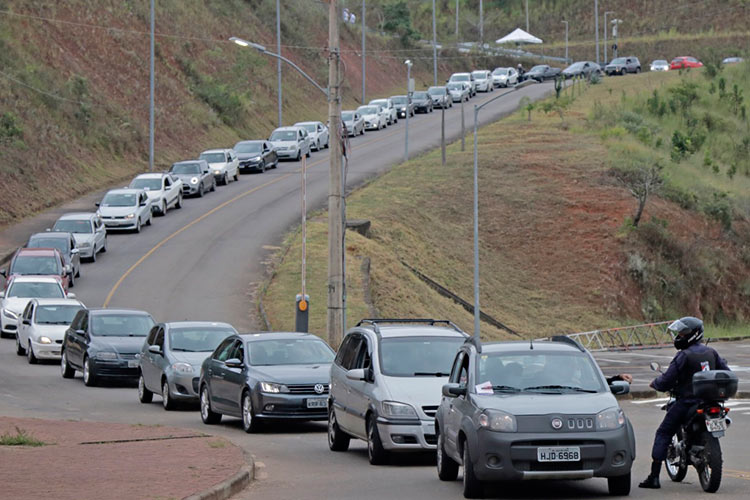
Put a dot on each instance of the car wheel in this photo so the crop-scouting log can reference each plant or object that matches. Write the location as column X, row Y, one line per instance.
column 619, row 486
column 213, row 186
column 144, row 395
column 66, row 370
column 447, row 468
column 200, row 191
column 307, row 155
column 71, row 280
column 163, row 209
column 166, row 399
column 362, row 130
column 262, row 168
column 93, row 254
column 317, row 145
column 78, row 270
column 179, row 201
column 224, row 180
column 89, row 373
column 472, row 485
column 30, row 356
column 249, row 423
column 338, row 440
column 236, row 175
column 208, row 416
column 375, row 451
column 19, row 348
column 623, row 72
column 637, row 70
column 148, row 221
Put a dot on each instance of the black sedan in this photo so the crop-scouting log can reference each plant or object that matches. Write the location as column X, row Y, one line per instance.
column 422, row 102
column 542, row 72
column 582, row 68
column 264, row 376
column 256, row 155
column 400, row 101
column 104, row 343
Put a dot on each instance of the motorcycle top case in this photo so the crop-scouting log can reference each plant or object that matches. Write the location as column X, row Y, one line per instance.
column 714, row 384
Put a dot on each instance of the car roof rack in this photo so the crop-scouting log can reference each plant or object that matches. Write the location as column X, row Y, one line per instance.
column 567, row 340
column 375, row 322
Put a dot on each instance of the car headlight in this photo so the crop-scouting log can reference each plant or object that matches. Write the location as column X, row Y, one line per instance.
column 9, row 314
column 45, row 340
column 393, row 409
column 182, row 368
column 256, row 158
column 84, row 244
column 194, row 180
column 273, row 387
column 217, row 172
column 498, row 421
column 130, row 216
column 106, row 355
column 611, row 418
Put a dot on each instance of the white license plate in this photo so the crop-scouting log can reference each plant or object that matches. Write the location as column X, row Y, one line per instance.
column 317, row 403
column 559, row 454
column 132, row 363
column 716, row 424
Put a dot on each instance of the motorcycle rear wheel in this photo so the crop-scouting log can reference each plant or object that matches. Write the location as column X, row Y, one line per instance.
column 676, row 462
column 709, row 471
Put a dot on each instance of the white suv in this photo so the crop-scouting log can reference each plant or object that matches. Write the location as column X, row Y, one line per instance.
column 392, row 112
column 163, row 191
column 485, row 82
column 386, row 384
column 223, row 164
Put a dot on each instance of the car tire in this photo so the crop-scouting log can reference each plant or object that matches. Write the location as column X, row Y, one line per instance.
column 224, row 180
column 200, row 191
column 208, row 416
column 93, row 255
column 447, row 468
column 144, row 395
column 338, row 440
column 472, row 485
column 78, row 271
column 66, row 370
column 178, row 204
column 89, row 373
column 362, row 131
column 163, row 209
column 637, row 70
column 71, row 280
column 619, row 486
column 376, row 454
column 166, row 400
column 104, row 246
column 250, row 423
column 299, row 155
column 30, row 356
column 149, row 220
column 213, row 186
column 138, row 226
column 308, row 153
column 236, row 175
column 262, row 168
column 20, row 350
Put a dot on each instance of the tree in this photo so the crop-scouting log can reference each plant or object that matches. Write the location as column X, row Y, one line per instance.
column 641, row 179
column 397, row 20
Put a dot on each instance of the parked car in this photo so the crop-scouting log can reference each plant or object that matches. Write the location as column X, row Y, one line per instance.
column 403, row 103
column 464, row 77
column 163, row 191
column 125, row 209
column 459, row 91
column 422, row 102
column 65, row 244
column 18, row 292
column 104, row 344
column 196, row 177
column 88, row 230
column 256, row 155
column 318, row 132
column 440, row 97
column 532, row 410
column 582, row 69
column 42, row 328
column 40, row 262
column 353, row 123
column 504, row 77
column 171, row 358
column 385, row 385
column 659, row 65
column 390, row 109
column 290, row 142
column 375, row 116
column 732, row 60
column 223, row 163
column 264, row 376
column 484, row 81
column 542, row 72
column 623, row 65
column 685, row 62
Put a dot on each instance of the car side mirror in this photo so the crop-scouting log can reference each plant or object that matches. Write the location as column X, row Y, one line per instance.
column 356, row 374
column 233, row 363
column 97, row 204
column 71, row 295
column 79, row 332
column 156, row 349
column 26, row 322
column 143, row 203
column 619, row 387
column 4, row 273
column 454, row 390
column 2, row 295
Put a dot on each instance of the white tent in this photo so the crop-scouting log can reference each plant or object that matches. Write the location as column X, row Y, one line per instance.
column 518, row 36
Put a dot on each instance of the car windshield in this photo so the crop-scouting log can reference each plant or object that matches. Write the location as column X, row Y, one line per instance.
column 121, row 325
column 659, row 62
column 460, row 78
column 248, row 147
column 284, row 135
column 500, row 71
column 73, row 226
column 436, row 90
column 455, row 86
column 478, row 74
column 186, row 168
column 347, row 116
column 538, row 68
column 310, row 127
column 418, row 356
column 213, row 157
column 539, row 372
column 575, row 66
column 46, row 290
column 37, row 264
column 368, row 110
column 289, row 352
column 119, row 200
column 56, row 315
column 198, row 339
column 146, row 183
column 398, row 100
column 378, row 102
column 59, row 243
column 420, row 95
column 619, row 60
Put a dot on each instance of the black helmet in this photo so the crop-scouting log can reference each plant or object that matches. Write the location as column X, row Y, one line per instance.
column 686, row 332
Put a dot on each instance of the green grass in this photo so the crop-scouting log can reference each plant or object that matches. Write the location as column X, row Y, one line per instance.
column 20, row 438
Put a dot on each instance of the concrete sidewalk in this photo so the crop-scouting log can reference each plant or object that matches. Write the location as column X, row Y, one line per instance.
column 96, row 460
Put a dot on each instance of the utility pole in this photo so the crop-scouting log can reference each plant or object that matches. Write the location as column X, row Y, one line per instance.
column 278, row 61
column 481, row 25
column 527, row 16
column 434, row 45
column 408, row 102
column 364, row 79
column 463, row 126
column 456, row 21
column 335, row 323
column 615, row 29
column 442, row 128
column 302, row 300
column 151, row 98
column 566, row 41
column 596, row 28
column 605, row 34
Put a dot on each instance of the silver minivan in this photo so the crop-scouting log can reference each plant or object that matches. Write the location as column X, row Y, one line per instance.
column 386, row 384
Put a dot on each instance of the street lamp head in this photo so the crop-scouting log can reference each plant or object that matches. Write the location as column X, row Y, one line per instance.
column 408, row 62
column 245, row 43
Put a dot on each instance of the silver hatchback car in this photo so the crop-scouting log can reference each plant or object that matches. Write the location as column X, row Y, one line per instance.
column 385, row 384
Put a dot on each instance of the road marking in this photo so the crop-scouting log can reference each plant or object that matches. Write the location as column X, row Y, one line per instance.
column 614, row 360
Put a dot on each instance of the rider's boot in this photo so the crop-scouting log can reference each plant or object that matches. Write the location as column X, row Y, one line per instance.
column 652, row 481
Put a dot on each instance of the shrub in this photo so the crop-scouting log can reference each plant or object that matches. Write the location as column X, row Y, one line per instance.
column 719, row 207
column 10, row 128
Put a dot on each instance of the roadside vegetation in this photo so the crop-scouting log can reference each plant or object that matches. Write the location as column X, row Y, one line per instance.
column 20, row 438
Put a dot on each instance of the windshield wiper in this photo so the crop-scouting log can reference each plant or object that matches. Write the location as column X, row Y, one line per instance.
column 564, row 387
column 430, row 374
column 180, row 349
column 505, row 388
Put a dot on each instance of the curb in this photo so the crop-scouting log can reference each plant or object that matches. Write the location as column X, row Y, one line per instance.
column 231, row 485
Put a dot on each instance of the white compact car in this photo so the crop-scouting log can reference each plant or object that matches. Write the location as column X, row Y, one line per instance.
column 42, row 328
column 319, row 137
column 389, row 107
column 504, row 77
column 163, row 190
column 224, row 164
column 87, row 229
column 376, row 117
column 19, row 291
column 290, row 142
column 125, row 209
column 484, row 80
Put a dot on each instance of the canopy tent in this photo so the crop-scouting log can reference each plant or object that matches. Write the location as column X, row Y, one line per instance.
column 518, row 36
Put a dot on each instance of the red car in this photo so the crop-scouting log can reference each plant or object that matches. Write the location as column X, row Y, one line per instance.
column 685, row 62
column 38, row 261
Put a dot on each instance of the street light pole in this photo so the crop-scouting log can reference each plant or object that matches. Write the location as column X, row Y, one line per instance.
column 605, row 34
column 364, row 79
column 434, row 45
column 151, row 98
column 278, row 62
column 456, row 21
column 481, row 25
column 566, row 41
column 408, row 101
column 615, row 30
column 527, row 16
column 596, row 28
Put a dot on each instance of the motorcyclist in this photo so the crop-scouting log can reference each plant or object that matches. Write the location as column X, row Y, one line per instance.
column 520, row 71
column 691, row 358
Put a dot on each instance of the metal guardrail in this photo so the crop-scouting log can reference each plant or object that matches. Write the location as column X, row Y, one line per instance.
column 625, row 337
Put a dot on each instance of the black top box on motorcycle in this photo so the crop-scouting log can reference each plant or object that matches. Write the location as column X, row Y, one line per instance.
column 714, row 385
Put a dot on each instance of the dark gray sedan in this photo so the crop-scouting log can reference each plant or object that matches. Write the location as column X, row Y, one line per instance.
column 195, row 175
column 171, row 358
column 422, row 102
column 256, row 155
column 263, row 376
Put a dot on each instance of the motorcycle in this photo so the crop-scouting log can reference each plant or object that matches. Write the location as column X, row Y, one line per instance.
column 696, row 443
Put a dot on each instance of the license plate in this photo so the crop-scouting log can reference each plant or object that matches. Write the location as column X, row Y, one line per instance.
column 56, row 353
column 559, row 454
column 132, row 363
column 317, row 403
column 716, row 424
